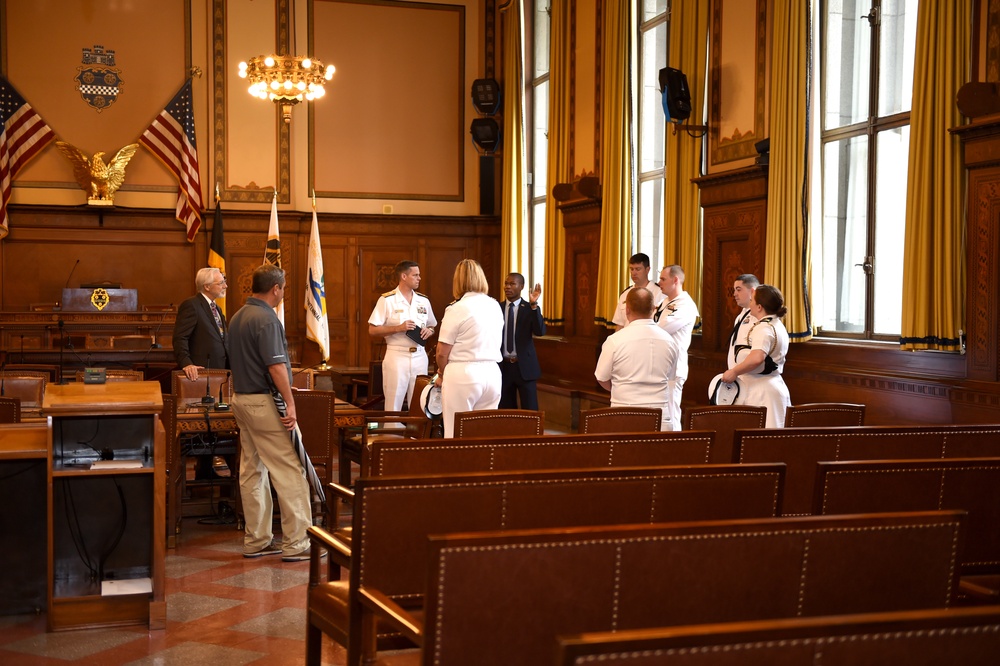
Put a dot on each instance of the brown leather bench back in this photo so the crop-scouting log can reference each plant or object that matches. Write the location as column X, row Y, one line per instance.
column 443, row 456
column 967, row 636
column 394, row 515
column 967, row 484
column 502, row 598
column 802, row 448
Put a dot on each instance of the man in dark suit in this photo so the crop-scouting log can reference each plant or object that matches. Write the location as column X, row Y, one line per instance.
column 200, row 331
column 519, row 369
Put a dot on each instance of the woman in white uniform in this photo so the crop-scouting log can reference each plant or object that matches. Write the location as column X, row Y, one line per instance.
column 760, row 356
column 468, row 349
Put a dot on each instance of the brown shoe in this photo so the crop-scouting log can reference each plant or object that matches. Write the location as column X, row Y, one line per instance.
column 270, row 549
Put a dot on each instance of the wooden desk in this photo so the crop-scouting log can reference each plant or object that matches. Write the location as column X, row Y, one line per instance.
column 342, row 376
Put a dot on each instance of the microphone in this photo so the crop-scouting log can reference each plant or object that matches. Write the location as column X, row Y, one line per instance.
column 72, row 270
column 222, row 405
column 207, row 399
column 163, row 316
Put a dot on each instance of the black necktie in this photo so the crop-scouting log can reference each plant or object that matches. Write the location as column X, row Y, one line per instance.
column 509, row 344
column 736, row 328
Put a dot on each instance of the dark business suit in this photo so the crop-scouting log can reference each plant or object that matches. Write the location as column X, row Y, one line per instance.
column 196, row 337
column 518, row 378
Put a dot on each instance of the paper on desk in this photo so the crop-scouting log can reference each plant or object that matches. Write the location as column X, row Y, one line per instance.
column 116, row 464
column 111, row 588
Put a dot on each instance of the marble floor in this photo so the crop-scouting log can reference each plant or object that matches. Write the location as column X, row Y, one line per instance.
column 222, row 609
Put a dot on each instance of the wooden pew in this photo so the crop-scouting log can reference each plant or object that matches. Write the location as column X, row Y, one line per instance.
column 447, row 456
column 393, row 517
column 966, row 484
column 967, row 636
column 802, row 448
column 502, row 598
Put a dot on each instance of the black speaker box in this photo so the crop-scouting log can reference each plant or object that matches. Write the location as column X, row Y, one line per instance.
column 487, row 180
column 676, row 96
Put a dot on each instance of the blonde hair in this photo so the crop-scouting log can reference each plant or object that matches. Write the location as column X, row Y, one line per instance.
column 469, row 276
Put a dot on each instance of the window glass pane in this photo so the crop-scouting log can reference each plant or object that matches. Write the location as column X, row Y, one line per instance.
column 541, row 29
column 652, row 121
column 650, row 222
column 890, row 213
column 896, row 55
column 540, row 142
column 839, row 291
column 846, row 64
column 538, row 246
column 652, row 8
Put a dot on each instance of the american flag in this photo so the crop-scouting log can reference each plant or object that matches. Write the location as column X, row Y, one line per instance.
column 24, row 135
column 171, row 139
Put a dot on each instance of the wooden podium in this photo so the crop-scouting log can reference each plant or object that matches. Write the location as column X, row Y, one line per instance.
column 100, row 300
column 106, row 485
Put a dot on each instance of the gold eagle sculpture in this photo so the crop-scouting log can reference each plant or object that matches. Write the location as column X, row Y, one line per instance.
column 99, row 180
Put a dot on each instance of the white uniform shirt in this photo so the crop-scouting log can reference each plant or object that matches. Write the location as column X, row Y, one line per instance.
column 392, row 309
column 619, row 319
column 677, row 317
column 639, row 361
column 768, row 335
column 473, row 325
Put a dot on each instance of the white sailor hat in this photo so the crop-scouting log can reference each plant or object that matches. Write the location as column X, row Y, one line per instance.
column 723, row 393
column 430, row 400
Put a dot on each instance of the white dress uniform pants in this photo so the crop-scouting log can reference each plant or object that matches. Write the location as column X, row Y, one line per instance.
column 676, row 390
column 400, row 368
column 468, row 387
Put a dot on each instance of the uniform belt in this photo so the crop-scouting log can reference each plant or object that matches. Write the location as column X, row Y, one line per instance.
column 510, row 359
column 409, row 349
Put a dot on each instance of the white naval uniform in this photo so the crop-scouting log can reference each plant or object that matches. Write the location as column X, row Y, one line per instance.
column 619, row 318
column 741, row 326
column 473, row 326
column 764, row 387
column 677, row 317
column 639, row 361
column 404, row 359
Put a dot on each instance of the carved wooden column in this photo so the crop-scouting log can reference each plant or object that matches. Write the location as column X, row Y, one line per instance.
column 571, row 350
column 981, row 147
column 735, row 209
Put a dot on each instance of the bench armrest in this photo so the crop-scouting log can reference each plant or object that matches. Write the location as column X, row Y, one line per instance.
column 340, row 554
column 373, row 601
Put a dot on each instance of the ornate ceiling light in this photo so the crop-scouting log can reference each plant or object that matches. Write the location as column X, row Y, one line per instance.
column 286, row 80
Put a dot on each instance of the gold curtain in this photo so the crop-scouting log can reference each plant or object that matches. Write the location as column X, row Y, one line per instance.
column 559, row 167
column 934, row 247
column 787, row 264
column 616, row 156
column 682, row 227
column 513, row 213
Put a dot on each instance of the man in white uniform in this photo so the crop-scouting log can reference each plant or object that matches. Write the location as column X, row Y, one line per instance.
column 396, row 312
column 638, row 362
column 676, row 315
column 743, row 289
column 638, row 271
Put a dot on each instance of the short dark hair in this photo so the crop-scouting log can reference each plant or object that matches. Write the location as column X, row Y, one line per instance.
column 518, row 277
column 639, row 258
column 404, row 266
column 265, row 277
column 771, row 299
column 676, row 271
column 749, row 279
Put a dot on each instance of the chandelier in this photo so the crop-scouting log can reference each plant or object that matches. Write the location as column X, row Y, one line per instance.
column 286, row 80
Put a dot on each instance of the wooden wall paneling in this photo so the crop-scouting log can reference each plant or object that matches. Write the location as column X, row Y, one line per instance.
column 735, row 213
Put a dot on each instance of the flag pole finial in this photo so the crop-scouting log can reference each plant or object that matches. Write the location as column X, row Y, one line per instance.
column 217, row 193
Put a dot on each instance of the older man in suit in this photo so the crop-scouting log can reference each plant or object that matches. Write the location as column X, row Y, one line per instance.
column 200, row 331
column 519, row 369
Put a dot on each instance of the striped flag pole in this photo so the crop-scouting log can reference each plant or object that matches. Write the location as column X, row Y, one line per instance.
column 317, row 326
column 272, row 250
column 217, row 248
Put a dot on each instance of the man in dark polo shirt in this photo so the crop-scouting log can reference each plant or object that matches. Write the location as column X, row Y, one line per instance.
column 262, row 377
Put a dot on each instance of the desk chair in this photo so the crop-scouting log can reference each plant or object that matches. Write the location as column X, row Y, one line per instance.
column 620, row 419
column 208, row 383
column 725, row 420
column 10, row 410
column 303, row 379
column 315, row 416
column 53, row 371
column 367, row 393
column 26, row 385
column 819, row 414
column 499, row 423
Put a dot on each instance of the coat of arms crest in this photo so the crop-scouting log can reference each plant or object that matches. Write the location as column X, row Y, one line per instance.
column 100, row 82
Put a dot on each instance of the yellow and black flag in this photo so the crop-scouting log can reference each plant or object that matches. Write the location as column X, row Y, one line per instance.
column 217, row 248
